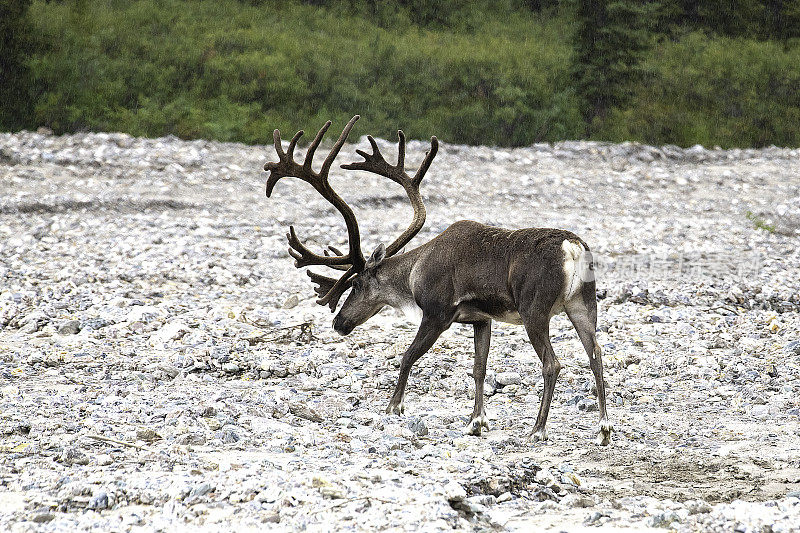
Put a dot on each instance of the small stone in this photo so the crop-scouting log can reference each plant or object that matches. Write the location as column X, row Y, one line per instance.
column 578, row 501
column 201, row 490
column 147, row 434
column 417, row 425
column 302, row 410
column 70, row 327
column 508, row 378
column 229, row 436
column 595, row 517
column 454, row 492
column 504, row 497
column 332, row 493
column 191, row 438
column 103, row 460
column 793, row 348
column 98, row 501
column 41, row 518
column 73, row 456
column 697, row 507
column 291, row 302
column 272, row 518
column 664, row 519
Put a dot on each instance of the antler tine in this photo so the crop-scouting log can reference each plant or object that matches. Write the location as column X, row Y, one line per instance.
column 331, row 298
column 354, row 260
column 293, row 143
column 326, row 165
column 426, row 163
column 313, row 148
column 305, row 257
column 325, row 288
column 376, row 164
column 401, row 149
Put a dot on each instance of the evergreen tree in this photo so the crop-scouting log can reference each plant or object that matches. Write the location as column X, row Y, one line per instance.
column 782, row 19
column 14, row 72
column 609, row 41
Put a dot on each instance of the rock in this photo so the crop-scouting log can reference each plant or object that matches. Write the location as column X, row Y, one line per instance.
column 454, row 492
column 229, row 435
column 664, row 520
column 73, row 456
column 98, row 501
column 147, row 434
column 793, row 348
column 417, row 425
column 697, row 507
column 171, row 331
column 103, row 460
column 332, row 493
column 508, row 378
column 118, row 233
column 201, row 489
column 70, row 327
column 505, row 497
column 302, row 410
column 579, row 501
column 595, row 517
column 191, row 438
column 42, row 517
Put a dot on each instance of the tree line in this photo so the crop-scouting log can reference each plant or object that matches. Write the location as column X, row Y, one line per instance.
column 508, row 72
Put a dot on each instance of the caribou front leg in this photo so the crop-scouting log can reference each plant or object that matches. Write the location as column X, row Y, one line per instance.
column 478, row 420
column 429, row 331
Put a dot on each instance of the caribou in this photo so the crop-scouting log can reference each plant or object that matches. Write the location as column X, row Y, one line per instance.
column 471, row 273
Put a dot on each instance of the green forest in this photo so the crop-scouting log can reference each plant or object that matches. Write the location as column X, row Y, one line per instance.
column 506, row 72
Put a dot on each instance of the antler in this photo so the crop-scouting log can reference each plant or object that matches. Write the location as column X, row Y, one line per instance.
column 328, row 289
column 376, row 164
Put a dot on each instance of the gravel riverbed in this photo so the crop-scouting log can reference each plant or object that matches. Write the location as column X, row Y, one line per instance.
column 164, row 364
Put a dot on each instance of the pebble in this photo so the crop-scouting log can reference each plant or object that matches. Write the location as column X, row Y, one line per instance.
column 136, row 305
column 793, row 347
column 508, row 378
column 417, row 426
column 70, row 327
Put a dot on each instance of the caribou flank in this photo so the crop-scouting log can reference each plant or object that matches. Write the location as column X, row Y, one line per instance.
column 470, row 273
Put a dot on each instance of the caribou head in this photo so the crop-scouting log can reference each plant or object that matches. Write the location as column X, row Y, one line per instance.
column 361, row 275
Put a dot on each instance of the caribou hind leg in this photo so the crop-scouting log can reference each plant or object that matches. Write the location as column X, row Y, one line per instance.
column 478, row 420
column 582, row 312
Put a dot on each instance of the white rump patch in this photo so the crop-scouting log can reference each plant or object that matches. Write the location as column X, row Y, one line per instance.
column 573, row 255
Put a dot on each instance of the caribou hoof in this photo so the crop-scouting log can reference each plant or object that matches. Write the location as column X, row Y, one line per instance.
column 474, row 426
column 396, row 408
column 539, row 435
column 604, row 435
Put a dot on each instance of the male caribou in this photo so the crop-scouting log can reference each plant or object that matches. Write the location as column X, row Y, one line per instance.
column 470, row 274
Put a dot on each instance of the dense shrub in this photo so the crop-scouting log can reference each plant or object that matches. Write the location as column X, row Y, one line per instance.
column 469, row 72
column 235, row 71
column 722, row 91
column 15, row 44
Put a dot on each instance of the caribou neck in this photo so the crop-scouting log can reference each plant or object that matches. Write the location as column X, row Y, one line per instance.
column 394, row 275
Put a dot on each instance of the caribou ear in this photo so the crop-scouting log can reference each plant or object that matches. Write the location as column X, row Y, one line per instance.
column 377, row 256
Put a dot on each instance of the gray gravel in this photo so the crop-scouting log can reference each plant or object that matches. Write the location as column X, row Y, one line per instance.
column 164, row 364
